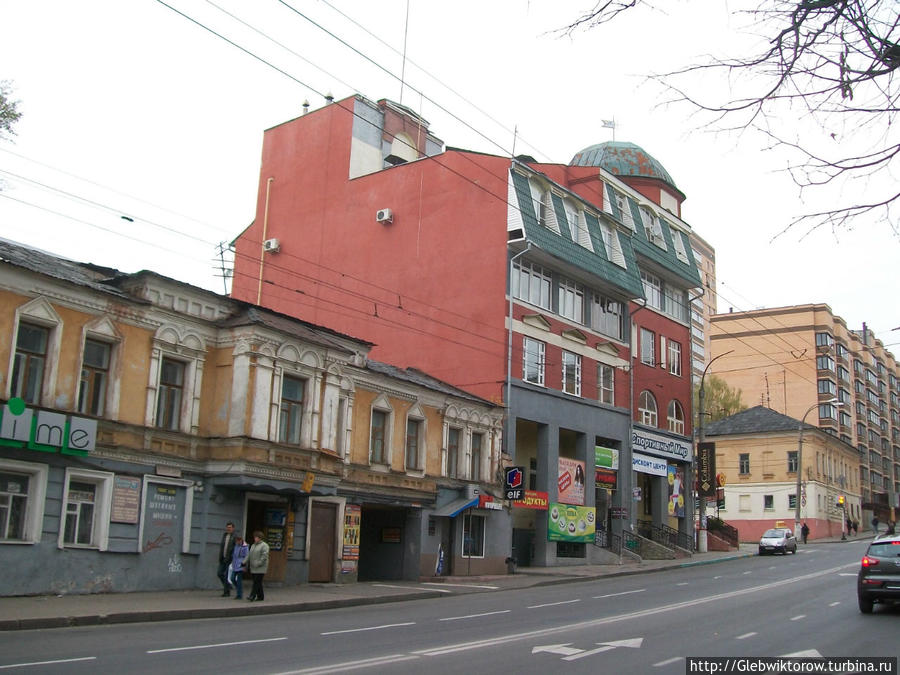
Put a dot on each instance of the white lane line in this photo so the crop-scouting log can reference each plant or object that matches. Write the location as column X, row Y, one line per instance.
column 674, row 659
column 438, row 583
column 213, row 646
column 847, row 574
column 407, row 588
column 351, row 665
column 748, row 572
column 593, row 623
column 682, row 583
column 798, row 617
column 613, row 595
column 834, row 604
column 474, row 616
column 47, row 663
column 718, row 576
column 551, row 604
column 360, row 630
column 745, row 636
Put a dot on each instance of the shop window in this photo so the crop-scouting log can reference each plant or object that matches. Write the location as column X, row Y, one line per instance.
column 473, row 536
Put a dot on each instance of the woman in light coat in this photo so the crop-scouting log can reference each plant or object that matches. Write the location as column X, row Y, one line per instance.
column 258, row 562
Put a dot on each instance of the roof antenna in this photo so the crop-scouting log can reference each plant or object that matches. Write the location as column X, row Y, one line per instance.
column 403, row 68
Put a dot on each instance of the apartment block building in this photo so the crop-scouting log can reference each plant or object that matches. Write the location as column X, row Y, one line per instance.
column 805, row 362
column 141, row 414
column 558, row 291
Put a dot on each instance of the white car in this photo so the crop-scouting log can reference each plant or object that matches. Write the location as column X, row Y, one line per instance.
column 779, row 539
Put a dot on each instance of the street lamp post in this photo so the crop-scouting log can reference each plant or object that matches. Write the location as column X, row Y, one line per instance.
column 702, row 543
column 832, row 401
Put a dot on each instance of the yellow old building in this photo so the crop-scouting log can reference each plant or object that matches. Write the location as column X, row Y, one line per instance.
column 141, row 414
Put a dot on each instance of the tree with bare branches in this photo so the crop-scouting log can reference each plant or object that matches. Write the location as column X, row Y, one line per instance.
column 822, row 85
column 9, row 112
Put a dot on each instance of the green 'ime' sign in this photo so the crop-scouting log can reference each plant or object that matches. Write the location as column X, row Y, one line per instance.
column 45, row 430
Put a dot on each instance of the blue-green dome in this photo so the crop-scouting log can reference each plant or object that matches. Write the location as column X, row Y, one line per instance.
column 622, row 159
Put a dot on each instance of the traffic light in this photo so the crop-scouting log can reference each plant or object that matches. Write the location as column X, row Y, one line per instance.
column 840, row 501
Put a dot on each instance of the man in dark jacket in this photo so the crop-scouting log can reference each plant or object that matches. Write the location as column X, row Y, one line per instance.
column 226, row 549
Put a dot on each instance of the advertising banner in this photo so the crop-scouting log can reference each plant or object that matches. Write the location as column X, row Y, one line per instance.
column 607, row 458
column 571, row 523
column 676, row 491
column 571, row 481
column 532, row 499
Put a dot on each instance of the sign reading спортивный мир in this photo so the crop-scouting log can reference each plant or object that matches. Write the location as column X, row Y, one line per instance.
column 22, row 427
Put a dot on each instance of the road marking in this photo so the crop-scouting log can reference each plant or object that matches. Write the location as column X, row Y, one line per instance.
column 798, row 617
column 682, row 583
column 718, row 576
column 552, row 604
column 474, row 616
column 847, row 574
column 213, row 646
column 809, row 652
column 674, row 659
column 359, row 630
column 591, row 623
column 634, row 643
column 438, row 583
column 748, row 572
column 563, row 649
column 351, row 665
column 613, row 595
column 834, row 604
column 47, row 663
column 745, row 636
column 407, row 588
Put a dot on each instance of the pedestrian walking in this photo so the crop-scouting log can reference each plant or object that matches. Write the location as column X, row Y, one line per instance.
column 238, row 565
column 804, row 532
column 258, row 562
column 890, row 527
column 855, row 526
column 226, row 549
column 849, row 526
column 875, row 524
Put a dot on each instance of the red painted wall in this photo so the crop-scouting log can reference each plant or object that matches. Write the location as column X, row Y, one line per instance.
column 428, row 289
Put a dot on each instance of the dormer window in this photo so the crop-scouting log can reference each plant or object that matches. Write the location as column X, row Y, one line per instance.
column 652, row 228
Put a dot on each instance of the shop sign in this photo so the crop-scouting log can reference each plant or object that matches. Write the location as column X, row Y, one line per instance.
column 487, row 502
column 45, row 430
column 126, row 500
column 663, row 446
column 647, row 464
column 352, row 522
column 706, row 469
column 571, row 523
column 606, row 457
column 532, row 499
column 605, row 477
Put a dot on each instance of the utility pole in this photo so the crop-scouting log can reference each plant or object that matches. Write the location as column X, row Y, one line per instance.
column 702, row 543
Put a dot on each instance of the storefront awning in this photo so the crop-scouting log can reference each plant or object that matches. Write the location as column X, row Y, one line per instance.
column 264, row 484
column 455, row 507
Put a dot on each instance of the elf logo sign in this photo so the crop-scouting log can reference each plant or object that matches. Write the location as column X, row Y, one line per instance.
column 515, row 482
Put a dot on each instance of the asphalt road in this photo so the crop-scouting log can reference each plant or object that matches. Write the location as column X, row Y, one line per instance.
column 802, row 604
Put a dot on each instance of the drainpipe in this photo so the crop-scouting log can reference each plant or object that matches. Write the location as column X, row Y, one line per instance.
column 262, row 244
column 509, row 346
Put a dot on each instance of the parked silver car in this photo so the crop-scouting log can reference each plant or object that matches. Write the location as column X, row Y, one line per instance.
column 779, row 539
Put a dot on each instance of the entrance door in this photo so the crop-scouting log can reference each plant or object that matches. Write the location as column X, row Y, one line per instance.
column 271, row 518
column 322, row 524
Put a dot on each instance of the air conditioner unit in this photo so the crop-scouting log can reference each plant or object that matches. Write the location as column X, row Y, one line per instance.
column 472, row 491
column 384, row 216
column 271, row 245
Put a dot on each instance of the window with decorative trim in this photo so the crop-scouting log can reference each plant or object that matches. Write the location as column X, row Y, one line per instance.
column 453, row 437
column 94, row 377
column 29, row 362
column 170, row 393
column 87, row 500
column 379, row 449
column 476, row 456
column 647, row 410
column 290, row 410
column 23, row 489
column 414, row 456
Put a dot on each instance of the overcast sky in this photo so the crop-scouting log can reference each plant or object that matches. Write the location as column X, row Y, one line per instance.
column 131, row 109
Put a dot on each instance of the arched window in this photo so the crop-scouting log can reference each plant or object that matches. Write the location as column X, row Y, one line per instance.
column 676, row 417
column 647, row 408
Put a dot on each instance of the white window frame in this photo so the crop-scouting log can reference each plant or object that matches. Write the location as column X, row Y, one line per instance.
column 606, row 394
column 300, row 414
column 570, row 300
column 653, row 290
column 625, row 209
column 536, row 351
column 189, row 349
column 36, row 496
column 612, row 244
column 188, row 485
column 680, row 250
column 40, row 313
column 571, row 360
column 103, row 482
column 648, row 347
column 675, row 417
column 648, row 415
column 538, row 280
column 674, row 358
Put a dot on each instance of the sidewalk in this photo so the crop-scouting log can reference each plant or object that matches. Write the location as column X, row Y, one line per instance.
column 48, row 611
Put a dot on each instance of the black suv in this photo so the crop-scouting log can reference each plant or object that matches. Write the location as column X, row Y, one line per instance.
column 879, row 573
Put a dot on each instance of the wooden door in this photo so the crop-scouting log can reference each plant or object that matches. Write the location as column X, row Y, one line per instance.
column 322, row 533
